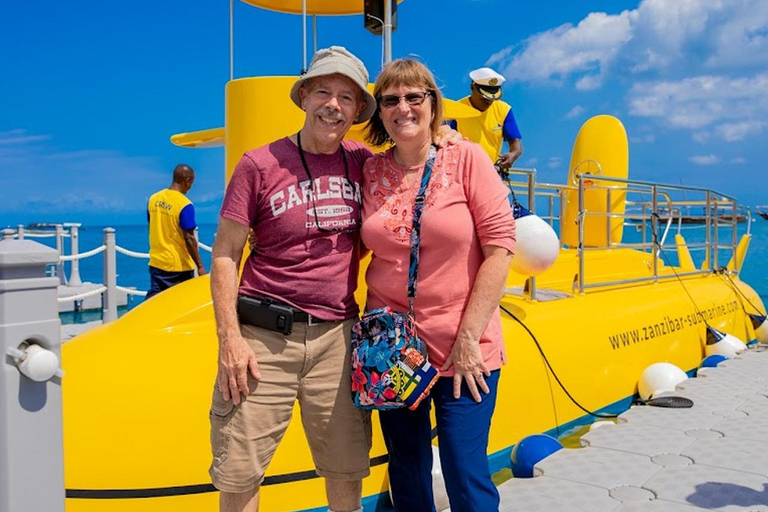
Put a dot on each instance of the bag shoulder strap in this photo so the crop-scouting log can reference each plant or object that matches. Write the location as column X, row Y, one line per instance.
column 418, row 209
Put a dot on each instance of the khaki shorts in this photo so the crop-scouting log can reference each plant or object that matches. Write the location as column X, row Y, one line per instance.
column 311, row 365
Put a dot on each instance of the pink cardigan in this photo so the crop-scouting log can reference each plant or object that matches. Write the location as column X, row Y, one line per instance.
column 466, row 208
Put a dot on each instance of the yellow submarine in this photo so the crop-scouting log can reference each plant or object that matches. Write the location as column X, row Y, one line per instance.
column 137, row 391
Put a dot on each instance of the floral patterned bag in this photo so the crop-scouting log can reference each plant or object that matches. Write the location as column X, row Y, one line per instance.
column 390, row 369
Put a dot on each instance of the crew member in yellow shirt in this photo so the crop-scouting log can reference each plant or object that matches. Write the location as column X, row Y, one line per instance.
column 496, row 123
column 173, row 253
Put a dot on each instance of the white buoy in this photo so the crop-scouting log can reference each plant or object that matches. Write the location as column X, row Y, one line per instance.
column 536, row 245
column 724, row 344
column 659, row 377
column 760, row 324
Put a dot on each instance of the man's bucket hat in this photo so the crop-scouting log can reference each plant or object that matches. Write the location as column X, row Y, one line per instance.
column 338, row 60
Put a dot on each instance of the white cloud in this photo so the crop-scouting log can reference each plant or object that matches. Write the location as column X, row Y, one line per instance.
column 738, row 160
column 19, row 136
column 531, row 162
column 666, row 36
column 701, row 137
column 588, row 49
column 701, row 101
column 648, row 138
column 738, row 131
column 576, row 111
column 40, row 177
column 704, row 160
column 554, row 162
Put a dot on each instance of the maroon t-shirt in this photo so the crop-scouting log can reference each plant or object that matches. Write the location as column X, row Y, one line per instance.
column 293, row 261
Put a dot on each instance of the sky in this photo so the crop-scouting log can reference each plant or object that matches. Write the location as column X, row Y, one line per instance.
column 90, row 92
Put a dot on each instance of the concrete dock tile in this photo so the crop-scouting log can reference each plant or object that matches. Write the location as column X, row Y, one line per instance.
column 680, row 419
column 657, row 506
column 731, row 453
column 600, row 467
column 754, row 427
column 546, row 494
column 711, row 488
column 754, row 408
column 639, row 439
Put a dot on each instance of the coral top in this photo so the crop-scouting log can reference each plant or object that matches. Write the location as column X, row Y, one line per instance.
column 466, row 208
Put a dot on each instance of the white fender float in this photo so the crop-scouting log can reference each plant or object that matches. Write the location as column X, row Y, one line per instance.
column 536, row 246
column 760, row 324
column 724, row 344
column 659, row 377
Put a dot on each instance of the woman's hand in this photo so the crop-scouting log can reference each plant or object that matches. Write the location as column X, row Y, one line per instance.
column 467, row 360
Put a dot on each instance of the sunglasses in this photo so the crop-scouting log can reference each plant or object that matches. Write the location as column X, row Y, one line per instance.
column 413, row 99
column 490, row 89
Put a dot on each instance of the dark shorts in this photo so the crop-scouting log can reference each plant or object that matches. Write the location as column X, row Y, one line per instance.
column 160, row 280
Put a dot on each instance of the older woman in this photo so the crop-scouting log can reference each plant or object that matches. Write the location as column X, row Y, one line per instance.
column 467, row 242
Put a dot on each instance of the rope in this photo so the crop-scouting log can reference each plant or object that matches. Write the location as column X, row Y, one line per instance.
column 27, row 234
column 82, row 255
column 81, row 296
column 132, row 254
column 131, row 291
column 204, row 247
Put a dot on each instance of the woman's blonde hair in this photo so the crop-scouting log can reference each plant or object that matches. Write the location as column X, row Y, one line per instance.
column 410, row 73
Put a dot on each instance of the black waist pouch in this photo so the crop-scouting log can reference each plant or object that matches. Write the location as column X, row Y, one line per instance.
column 265, row 314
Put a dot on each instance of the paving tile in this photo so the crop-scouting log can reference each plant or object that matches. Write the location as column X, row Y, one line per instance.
column 657, row 506
column 542, row 494
column 731, row 453
column 596, row 466
column 713, row 456
column 639, row 439
column 711, row 488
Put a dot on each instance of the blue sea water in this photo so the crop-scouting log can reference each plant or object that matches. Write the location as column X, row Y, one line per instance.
column 133, row 272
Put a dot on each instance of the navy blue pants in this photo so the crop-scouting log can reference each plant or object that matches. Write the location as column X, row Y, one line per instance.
column 462, row 433
column 160, row 280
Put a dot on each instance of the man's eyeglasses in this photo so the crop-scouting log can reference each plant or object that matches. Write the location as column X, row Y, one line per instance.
column 413, row 99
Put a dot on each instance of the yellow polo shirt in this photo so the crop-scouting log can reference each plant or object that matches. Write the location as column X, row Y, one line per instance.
column 169, row 213
column 487, row 129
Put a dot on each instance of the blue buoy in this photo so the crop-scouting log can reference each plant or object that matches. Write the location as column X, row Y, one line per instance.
column 531, row 450
column 713, row 360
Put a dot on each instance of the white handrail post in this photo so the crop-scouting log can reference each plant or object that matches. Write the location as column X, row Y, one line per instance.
column 109, row 297
column 60, row 247
column 31, row 443
column 74, row 271
column 20, row 232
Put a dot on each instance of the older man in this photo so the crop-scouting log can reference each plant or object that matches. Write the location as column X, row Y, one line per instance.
column 284, row 331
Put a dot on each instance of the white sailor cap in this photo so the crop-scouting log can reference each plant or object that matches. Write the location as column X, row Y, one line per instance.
column 486, row 76
column 489, row 82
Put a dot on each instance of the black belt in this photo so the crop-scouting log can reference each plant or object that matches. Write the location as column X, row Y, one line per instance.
column 304, row 317
column 298, row 315
column 272, row 315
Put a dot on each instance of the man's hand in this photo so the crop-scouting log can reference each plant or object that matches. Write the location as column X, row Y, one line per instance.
column 446, row 136
column 506, row 161
column 236, row 360
column 201, row 271
column 467, row 360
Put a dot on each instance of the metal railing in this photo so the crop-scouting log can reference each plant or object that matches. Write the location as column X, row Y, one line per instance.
column 655, row 213
column 109, row 249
